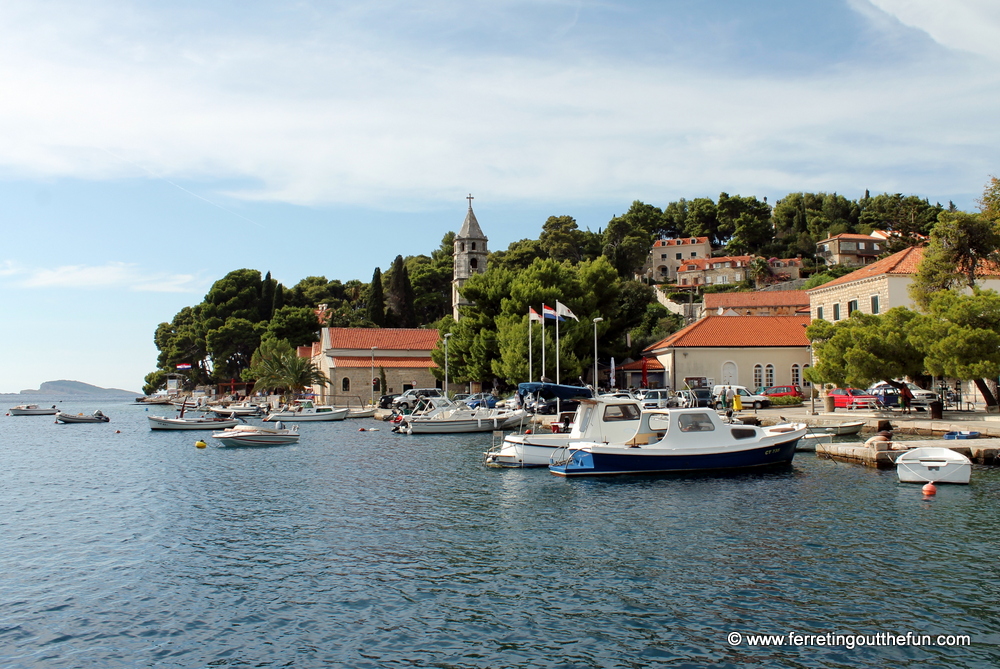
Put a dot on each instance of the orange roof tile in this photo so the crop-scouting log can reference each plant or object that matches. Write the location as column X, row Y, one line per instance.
column 850, row 235
column 388, row 363
column 738, row 332
column 765, row 298
column 388, row 339
column 903, row 263
column 681, row 241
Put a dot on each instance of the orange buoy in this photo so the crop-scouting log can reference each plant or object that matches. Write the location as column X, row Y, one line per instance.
column 930, row 489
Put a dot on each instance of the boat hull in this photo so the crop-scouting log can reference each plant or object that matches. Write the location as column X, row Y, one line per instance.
column 933, row 465
column 164, row 423
column 306, row 417
column 15, row 411
column 616, row 460
column 257, row 440
column 457, row 426
column 75, row 418
column 527, row 450
column 845, row 429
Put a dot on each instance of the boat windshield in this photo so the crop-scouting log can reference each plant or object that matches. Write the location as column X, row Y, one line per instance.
column 583, row 416
column 695, row 422
column 615, row 412
column 659, row 422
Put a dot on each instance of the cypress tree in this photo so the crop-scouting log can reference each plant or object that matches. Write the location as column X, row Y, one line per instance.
column 376, row 300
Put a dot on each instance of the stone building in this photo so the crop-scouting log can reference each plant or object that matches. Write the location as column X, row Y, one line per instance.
column 749, row 351
column 713, row 271
column 766, row 303
column 850, row 249
column 669, row 254
column 470, row 258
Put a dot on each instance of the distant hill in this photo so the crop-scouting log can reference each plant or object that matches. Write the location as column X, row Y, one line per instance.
column 76, row 388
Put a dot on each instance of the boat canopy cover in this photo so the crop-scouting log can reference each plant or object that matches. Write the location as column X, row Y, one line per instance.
column 551, row 391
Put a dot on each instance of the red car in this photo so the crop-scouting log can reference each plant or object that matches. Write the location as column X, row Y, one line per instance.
column 783, row 391
column 852, row 398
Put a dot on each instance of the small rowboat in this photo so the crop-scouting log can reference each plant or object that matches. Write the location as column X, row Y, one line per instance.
column 254, row 435
column 96, row 417
column 32, row 410
column 933, row 465
column 963, row 434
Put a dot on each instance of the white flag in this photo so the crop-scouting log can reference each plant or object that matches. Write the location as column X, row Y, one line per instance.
column 563, row 310
column 612, row 383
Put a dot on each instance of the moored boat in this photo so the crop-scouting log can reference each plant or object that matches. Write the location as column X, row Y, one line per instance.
column 96, row 417
column 962, row 434
column 305, row 410
column 605, row 418
column 807, row 443
column 850, row 427
column 258, row 435
column 438, row 415
column 681, row 440
column 933, row 465
column 32, row 410
column 189, row 423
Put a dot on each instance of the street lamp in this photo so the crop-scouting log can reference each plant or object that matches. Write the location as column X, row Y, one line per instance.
column 373, row 374
column 596, row 321
column 447, row 336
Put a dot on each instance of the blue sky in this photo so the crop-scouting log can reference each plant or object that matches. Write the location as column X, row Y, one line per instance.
column 148, row 149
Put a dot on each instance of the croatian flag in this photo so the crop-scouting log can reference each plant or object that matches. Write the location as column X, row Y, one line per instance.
column 184, row 365
column 533, row 316
column 549, row 312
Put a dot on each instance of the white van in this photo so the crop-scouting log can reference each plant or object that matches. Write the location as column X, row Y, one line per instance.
column 749, row 400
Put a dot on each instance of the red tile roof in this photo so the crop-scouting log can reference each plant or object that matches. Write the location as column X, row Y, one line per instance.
column 851, row 236
column 903, row 263
column 388, row 363
column 652, row 365
column 680, row 242
column 765, row 298
column 387, row 339
column 738, row 332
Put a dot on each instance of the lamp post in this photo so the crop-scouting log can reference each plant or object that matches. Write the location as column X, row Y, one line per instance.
column 373, row 374
column 596, row 321
column 447, row 336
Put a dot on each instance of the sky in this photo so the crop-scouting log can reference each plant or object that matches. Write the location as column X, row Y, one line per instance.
column 150, row 148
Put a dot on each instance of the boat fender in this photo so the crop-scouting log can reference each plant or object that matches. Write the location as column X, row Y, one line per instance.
column 200, row 444
column 929, row 489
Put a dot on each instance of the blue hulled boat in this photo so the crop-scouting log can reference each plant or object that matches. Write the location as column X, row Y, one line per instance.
column 681, row 440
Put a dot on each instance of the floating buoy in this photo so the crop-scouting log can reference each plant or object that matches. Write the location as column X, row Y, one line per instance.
column 200, row 444
column 930, row 489
column 118, row 431
column 368, row 429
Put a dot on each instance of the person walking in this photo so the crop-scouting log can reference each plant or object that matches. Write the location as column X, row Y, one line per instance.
column 905, row 398
column 730, row 393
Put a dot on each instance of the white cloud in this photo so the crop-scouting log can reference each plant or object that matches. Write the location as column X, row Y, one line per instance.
column 334, row 117
column 964, row 25
column 119, row 275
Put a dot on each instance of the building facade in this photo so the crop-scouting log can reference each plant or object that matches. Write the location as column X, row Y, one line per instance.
column 669, row 254
column 850, row 249
column 470, row 258
column 757, row 303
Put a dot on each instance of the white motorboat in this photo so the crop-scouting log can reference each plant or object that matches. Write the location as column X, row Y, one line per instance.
column 933, row 465
column 96, row 417
column 439, row 415
column 258, row 435
column 850, row 427
column 606, row 418
column 681, row 440
column 32, row 410
column 235, row 409
column 190, row 423
column 305, row 410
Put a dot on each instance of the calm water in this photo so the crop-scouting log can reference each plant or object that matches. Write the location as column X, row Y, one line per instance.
column 371, row 549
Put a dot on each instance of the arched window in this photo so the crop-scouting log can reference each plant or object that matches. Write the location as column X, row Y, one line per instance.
column 758, row 376
column 473, row 246
column 769, row 375
column 796, row 375
column 346, row 384
column 805, row 381
column 473, row 263
column 462, row 245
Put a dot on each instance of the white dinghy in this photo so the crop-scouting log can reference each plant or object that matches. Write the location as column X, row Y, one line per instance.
column 933, row 465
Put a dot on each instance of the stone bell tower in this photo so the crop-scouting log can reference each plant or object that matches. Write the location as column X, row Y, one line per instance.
column 470, row 257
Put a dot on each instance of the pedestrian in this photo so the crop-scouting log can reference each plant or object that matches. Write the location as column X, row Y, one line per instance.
column 730, row 394
column 905, row 398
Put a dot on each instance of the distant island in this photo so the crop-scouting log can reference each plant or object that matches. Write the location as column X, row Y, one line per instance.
column 76, row 388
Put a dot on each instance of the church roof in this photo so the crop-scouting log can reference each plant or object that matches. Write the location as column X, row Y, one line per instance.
column 470, row 228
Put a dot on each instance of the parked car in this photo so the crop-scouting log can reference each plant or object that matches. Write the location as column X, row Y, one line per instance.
column 853, row 398
column 697, row 397
column 749, row 399
column 656, row 399
column 385, row 401
column 409, row 398
column 479, row 399
column 783, row 391
column 889, row 395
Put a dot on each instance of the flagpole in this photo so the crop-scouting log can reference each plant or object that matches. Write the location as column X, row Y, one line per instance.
column 557, row 346
column 531, row 376
column 543, row 344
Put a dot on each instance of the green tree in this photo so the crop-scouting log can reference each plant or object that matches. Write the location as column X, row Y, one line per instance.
column 297, row 325
column 961, row 248
column 276, row 367
column 746, row 221
column 562, row 239
column 236, row 295
column 627, row 239
column 376, row 299
column 702, row 220
column 231, row 346
column 909, row 217
column 399, row 296
column 519, row 255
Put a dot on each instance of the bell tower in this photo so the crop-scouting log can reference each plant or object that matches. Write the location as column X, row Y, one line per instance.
column 470, row 257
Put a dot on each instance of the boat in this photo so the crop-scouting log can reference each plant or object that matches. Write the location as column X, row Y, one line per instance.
column 258, row 435
column 32, row 410
column 439, row 415
column 96, row 417
column 962, row 434
column 933, row 465
column 189, row 423
column 807, row 444
column 361, row 413
column 850, row 427
column 234, row 409
column 305, row 410
column 681, row 440
column 605, row 418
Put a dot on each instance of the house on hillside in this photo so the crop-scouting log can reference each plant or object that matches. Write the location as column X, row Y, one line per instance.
column 741, row 350
column 873, row 289
column 850, row 249
column 352, row 357
column 766, row 303
column 669, row 254
column 714, row 271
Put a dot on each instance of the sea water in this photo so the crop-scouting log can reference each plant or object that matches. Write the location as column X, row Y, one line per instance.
column 124, row 547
